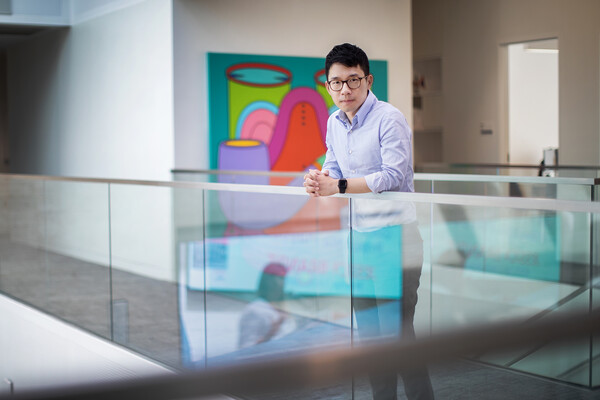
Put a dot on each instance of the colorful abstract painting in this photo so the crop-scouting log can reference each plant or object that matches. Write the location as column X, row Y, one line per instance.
column 269, row 113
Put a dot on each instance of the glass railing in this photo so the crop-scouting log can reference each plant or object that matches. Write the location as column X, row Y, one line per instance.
column 565, row 171
column 198, row 275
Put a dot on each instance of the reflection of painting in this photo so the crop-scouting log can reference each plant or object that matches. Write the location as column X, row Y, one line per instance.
column 269, row 113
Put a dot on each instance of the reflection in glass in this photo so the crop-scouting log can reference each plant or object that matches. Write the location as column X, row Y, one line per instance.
column 261, row 319
column 387, row 260
column 22, row 261
column 276, row 284
column 147, row 225
column 595, row 278
column 54, row 254
column 77, row 257
column 493, row 264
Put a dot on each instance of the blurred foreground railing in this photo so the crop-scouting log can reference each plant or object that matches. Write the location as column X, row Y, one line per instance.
column 319, row 369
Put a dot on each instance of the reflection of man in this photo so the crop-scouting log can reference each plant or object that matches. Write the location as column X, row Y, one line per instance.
column 369, row 150
column 260, row 320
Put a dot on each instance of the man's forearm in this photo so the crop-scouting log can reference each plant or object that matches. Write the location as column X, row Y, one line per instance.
column 321, row 184
column 354, row 185
column 357, row 185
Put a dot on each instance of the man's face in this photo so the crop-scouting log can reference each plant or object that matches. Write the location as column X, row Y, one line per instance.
column 348, row 100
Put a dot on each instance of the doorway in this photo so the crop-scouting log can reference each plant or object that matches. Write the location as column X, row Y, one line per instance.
column 532, row 100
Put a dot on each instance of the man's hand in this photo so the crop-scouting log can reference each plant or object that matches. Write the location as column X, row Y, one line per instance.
column 319, row 183
column 313, row 181
column 326, row 185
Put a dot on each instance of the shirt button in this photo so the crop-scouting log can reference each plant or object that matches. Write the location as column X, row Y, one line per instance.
column 353, row 171
column 349, row 151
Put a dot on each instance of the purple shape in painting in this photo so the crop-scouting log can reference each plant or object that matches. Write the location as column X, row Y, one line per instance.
column 244, row 155
column 252, row 210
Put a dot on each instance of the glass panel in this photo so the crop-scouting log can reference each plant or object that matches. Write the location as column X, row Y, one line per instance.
column 54, row 249
column 488, row 186
column 191, row 176
column 387, row 269
column 145, row 234
column 493, row 264
column 423, row 185
column 243, row 177
column 454, row 187
column 189, row 238
column 283, row 262
column 4, row 210
column 22, row 259
column 77, row 254
column 596, row 339
column 595, row 279
column 582, row 192
column 508, row 170
column 277, row 276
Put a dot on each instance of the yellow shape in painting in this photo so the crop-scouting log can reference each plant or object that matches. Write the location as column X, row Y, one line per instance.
column 242, row 143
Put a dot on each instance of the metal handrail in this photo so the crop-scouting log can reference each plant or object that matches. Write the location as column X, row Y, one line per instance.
column 442, row 177
column 319, row 368
column 432, row 198
column 508, row 166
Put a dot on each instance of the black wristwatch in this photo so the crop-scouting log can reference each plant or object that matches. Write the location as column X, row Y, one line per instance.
column 342, row 185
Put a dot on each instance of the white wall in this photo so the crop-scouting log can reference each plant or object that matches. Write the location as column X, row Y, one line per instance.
column 96, row 100
column 294, row 28
column 469, row 36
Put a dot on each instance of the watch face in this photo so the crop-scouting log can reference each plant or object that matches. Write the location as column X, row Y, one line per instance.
column 342, row 184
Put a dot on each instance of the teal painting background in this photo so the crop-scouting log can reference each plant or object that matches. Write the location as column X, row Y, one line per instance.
column 302, row 69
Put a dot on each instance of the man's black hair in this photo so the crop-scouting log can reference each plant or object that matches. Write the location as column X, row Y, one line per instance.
column 349, row 55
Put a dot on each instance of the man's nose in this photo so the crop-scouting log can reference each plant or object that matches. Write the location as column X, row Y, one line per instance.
column 345, row 87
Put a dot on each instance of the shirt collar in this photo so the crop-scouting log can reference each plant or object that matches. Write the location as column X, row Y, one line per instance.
column 362, row 111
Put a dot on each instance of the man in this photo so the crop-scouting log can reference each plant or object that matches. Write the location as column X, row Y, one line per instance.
column 368, row 141
column 369, row 150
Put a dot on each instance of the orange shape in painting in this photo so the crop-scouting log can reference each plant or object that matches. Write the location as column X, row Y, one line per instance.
column 303, row 143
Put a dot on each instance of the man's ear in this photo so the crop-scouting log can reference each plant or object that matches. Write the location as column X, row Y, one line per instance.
column 370, row 80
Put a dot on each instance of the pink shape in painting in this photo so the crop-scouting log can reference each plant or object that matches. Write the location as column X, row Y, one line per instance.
column 259, row 125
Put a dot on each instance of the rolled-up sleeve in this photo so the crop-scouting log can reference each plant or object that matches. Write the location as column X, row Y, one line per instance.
column 331, row 163
column 396, row 160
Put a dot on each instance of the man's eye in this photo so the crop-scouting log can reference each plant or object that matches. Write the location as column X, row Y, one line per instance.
column 353, row 80
column 336, row 83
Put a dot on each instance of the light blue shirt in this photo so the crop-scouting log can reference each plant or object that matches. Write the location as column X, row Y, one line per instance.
column 376, row 145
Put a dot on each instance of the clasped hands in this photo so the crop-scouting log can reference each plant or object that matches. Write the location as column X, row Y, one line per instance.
column 319, row 183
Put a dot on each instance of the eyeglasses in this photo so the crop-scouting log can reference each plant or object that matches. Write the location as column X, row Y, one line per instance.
column 353, row 83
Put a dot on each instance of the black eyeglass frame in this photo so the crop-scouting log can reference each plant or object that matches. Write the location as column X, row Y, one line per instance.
column 346, row 82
